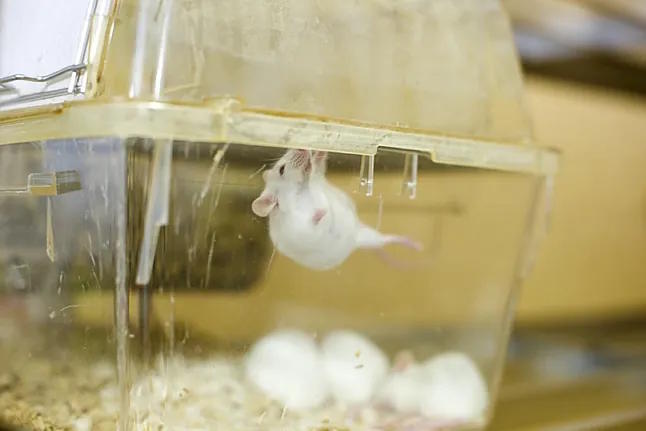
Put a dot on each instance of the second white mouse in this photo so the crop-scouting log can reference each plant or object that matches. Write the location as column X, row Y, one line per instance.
column 311, row 221
column 354, row 366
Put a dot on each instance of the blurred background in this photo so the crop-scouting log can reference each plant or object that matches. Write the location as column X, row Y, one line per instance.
column 577, row 359
column 585, row 63
column 578, row 354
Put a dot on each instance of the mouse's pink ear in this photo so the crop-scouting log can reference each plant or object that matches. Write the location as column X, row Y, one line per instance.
column 263, row 205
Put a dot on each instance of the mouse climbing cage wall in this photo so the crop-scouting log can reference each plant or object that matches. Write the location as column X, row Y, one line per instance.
column 161, row 263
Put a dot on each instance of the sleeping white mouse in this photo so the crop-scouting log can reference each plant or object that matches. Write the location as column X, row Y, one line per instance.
column 311, row 221
column 287, row 366
column 354, row 366
column 448, row 388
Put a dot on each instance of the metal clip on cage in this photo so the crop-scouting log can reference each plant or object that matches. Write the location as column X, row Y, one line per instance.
column 75, row 87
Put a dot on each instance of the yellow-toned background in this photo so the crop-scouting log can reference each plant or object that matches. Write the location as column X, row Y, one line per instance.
column 593, row 263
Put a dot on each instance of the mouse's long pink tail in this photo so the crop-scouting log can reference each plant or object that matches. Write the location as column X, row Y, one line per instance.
column 368, row 237
column 405, row 241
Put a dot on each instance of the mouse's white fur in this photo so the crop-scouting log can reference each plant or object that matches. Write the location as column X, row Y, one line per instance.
column 311, row 221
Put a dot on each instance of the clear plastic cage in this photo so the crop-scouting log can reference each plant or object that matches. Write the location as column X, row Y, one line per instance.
column 270, row 215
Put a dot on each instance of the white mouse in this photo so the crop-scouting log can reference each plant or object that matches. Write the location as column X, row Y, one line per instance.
column 447, row 388
column 402, row 388
column 287, row 366
column 311, row 221
column 455, row 389
column 354, row 366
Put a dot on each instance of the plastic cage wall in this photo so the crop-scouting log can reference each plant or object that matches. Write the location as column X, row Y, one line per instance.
column 270, row 215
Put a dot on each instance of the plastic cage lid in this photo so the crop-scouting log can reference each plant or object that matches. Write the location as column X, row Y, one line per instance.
column 437, row 76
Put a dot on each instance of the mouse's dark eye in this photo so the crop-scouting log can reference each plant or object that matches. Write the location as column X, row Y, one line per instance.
column 281, row 170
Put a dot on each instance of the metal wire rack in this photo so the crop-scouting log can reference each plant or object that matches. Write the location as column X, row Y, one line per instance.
column 77, row 84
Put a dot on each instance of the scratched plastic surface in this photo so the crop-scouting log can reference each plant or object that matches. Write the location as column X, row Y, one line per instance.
column 218, row 285
column 54, row 251
column 368, row 285
column 437, row 65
